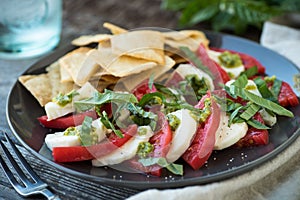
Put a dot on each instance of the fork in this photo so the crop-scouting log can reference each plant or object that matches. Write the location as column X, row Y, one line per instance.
column 26, row 186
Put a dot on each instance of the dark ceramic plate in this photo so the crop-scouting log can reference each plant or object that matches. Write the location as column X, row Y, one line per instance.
column 23, row 109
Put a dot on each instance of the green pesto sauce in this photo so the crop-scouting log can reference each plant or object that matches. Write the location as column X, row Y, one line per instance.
column 87, row 139
column 144, row 149
column 250, row 87
column 200, row 86
column 230, row 60
column 71, row 131
column 203, row 114
column 142, row 131
column 64, row 99
column 174, row 121
column 269, row 79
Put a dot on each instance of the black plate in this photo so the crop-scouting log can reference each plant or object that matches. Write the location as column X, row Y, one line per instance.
column 23, row 109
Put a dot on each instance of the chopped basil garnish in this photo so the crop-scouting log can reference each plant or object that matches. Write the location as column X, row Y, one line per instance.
column 257, row 124
column 174, row 168
column 276, row 108
column 105, row 121
column 250, row 111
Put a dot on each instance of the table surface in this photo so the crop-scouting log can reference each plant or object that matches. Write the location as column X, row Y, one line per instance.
column 87, row 17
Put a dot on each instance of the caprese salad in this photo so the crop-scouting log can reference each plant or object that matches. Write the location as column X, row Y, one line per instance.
column 220, row 99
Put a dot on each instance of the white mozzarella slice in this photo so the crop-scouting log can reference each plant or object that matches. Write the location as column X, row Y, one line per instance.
column 188, row 69
column 182, row 136
column 54, row 110
column 100, row 129
column 60, row 140
column 269, row 119
column 125, row 152
column 229, row 135
column 235, row 71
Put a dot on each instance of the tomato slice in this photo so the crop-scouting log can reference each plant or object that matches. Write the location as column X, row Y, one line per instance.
column 161, row 141
column 66, row 121
column 220, row 74
column 248, row 61
column 254, row 136
column 82, row 153
column 143, row 89
column 286, row 96
column 203, row 143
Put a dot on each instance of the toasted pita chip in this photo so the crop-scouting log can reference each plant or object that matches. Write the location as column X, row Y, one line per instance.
column 65, row 76
column 38, row 86
column 198, row 36
column 56, row 85
column 121, row 66
column 114, row 29
column 88, row 39
column 130, row 82
column 143, row 44
column 175, row 35
column 73, row 61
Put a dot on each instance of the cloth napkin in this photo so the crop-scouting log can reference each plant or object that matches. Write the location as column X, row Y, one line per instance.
column 286, row 41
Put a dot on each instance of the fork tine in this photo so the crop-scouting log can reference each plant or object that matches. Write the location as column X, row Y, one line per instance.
column 9, row 174
column 23, row 162
column 12, row 161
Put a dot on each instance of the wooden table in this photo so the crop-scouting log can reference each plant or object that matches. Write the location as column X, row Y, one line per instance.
column 87, row 17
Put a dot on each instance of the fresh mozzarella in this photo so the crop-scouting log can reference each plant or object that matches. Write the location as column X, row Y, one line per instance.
column 58, row 139
column 182, row 136
column 54, row 110
column 269, row 119
column 100, row 129
column 126, row 151
column 229, row 135
column 188, row 69
column 235, row 71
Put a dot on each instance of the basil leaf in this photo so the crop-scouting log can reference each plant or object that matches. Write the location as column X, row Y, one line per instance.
column 105, row 97
column 85, row 131
column 257, row 124
column 105, row 121
column 195, row 60
column 241, row 81
column 250, row 111
column 276, row 87
column 276, row 108
column 174, row 168
column 234, row 114
column 148, row 97
column 250, row 71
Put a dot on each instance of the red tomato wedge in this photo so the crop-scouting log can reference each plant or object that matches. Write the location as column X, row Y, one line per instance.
column 161, row 141
column 286, row 96
column 220, row 74
column 66, row 121
column 254, row 136
column 82, row 153
column 248, row 61
column 143, row 89
column 203, row 143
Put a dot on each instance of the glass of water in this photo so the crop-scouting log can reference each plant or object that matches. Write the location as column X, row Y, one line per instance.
column 29, row 28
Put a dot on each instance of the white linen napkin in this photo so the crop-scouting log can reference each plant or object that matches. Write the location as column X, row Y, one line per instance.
column 285, row 41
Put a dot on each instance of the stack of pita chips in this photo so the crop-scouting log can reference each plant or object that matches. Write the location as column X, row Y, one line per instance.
column 122, row 58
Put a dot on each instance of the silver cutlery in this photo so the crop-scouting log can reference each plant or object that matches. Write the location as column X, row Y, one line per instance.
column 25, row 186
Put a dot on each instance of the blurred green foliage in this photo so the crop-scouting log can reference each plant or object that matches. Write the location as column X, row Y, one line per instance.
column 235, row 15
